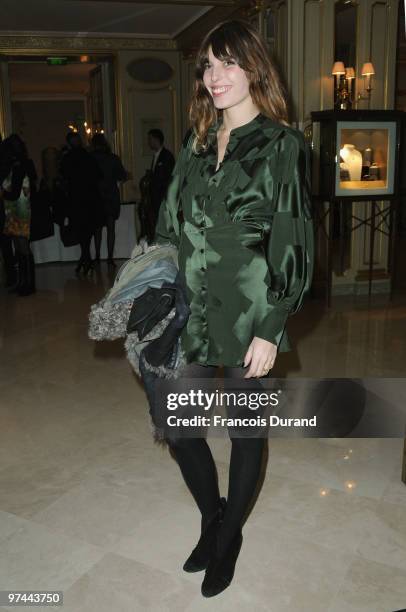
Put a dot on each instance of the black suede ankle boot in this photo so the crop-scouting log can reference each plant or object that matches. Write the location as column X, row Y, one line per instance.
column 200, row 555
column 220, row 569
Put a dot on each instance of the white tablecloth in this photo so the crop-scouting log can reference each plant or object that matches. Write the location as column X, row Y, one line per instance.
column 52, row 249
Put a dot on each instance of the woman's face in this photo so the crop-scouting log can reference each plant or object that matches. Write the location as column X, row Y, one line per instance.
column 226, row 82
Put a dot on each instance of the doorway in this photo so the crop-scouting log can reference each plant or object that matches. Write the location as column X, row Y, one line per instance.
column 45, row 97
column 51, row 95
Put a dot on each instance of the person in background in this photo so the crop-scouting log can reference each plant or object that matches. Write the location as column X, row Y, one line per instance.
column 162, row 165
column 55, row 185
column 18, row 186
column 113, row 172
column 82, row 174
column 6, row 247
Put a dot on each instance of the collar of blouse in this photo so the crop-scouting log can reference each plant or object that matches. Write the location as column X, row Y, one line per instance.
column 238, row 132
column 235, row 139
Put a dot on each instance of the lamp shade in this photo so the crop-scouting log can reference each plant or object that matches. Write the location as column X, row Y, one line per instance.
column 349, row 73
column 338, row 68
column 367, row 69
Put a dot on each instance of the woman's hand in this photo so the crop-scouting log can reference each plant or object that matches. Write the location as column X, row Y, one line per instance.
column 260, row 356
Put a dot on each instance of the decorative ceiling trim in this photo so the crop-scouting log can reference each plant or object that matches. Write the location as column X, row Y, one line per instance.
column 210, row 3
column 48, row 97
column 66, row 34
column 65, row 44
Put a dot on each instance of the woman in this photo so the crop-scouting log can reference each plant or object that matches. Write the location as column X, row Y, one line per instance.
column 81, row 175
column 113, row 171
column 17, row 188
column 238, row 209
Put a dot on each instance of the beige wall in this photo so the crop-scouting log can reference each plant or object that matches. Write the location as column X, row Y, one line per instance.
column 141, row 103
column 309, row 32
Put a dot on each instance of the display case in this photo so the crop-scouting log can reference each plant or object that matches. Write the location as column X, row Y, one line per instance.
column 366, row 157
column 358, row 185
column 356, row 154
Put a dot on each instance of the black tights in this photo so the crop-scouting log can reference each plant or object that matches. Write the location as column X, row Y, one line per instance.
column 22, row 246
column 111, row 238
column 6, row 248
column 85, row 232
column 199, row 470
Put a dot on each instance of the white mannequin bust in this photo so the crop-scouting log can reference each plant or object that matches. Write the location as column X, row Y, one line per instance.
column 353, row 161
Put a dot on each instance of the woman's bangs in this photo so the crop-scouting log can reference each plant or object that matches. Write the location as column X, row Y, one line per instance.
column 222, row 47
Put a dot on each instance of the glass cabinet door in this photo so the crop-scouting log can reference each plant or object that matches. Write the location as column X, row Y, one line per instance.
column 365, row 158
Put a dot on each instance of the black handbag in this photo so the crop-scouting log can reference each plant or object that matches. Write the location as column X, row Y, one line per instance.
column 69, row 235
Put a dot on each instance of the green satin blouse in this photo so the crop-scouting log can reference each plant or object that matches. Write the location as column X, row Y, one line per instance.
column 245, row 238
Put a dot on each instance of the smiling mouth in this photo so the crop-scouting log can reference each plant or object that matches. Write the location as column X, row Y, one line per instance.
column 218, row 91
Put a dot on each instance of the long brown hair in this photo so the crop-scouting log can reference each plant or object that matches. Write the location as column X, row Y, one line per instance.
column 238, row 39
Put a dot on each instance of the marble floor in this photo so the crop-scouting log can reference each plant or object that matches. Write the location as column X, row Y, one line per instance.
column 91, row 506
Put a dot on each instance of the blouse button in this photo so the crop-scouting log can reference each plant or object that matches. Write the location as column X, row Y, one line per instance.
column 202, row 250
column 203, row 269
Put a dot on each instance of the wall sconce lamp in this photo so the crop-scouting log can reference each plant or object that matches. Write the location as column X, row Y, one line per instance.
column 338, row 68
column 344, row 84
column 341, row 94
column 367, row 71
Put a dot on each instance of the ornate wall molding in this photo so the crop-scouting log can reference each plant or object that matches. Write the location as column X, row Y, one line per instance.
column 5, row 101
column 33, row 43
column 133, row 112
column 312, row 53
